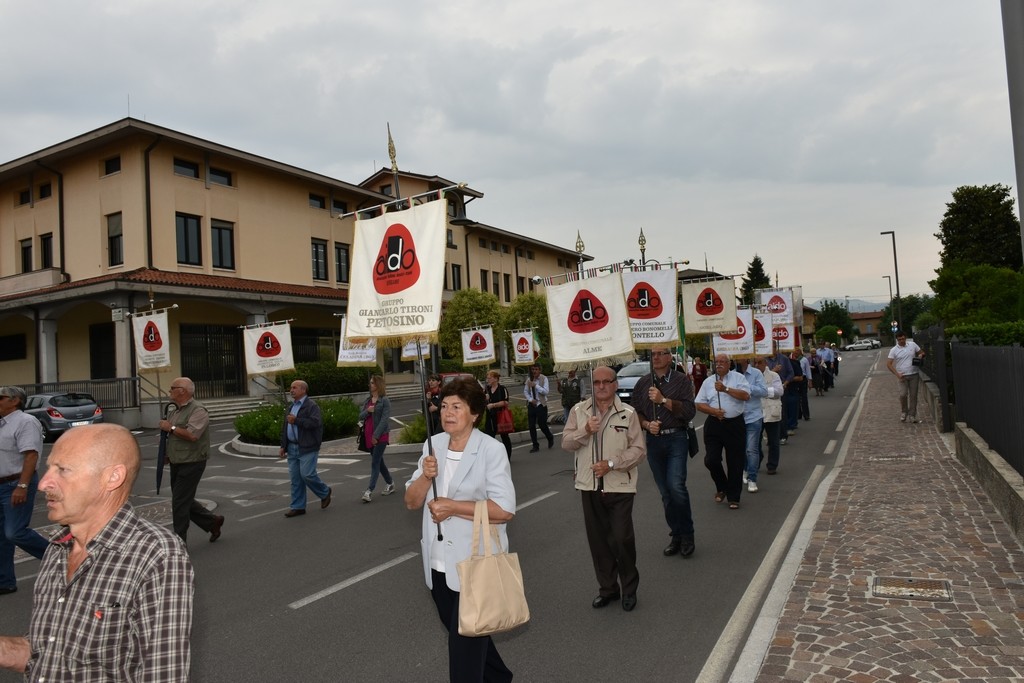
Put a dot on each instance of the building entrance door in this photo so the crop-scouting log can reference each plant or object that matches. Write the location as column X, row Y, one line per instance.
column 211, row 356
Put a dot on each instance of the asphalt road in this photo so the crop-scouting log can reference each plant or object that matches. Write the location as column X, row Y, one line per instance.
column 338, row 594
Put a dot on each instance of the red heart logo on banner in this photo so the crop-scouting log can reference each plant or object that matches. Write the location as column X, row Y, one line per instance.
column 151, row 340
column 268, row 346
column 741, row 331
column 477, row 342
column 396, row 268
column 777, row 304
column 523, row 345
column 758, row 330
column 709, row 303
column 780, row 333
column 643, row 302
column 587, row 313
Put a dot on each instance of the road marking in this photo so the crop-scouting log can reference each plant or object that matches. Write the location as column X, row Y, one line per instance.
column 246, row 480
column 535, row 500
column 830, row 447
column 354, row 580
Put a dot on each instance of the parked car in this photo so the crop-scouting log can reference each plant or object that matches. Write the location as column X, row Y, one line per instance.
column 875, row 343
column 59, row 412
column 628, row 377
column 862, row 345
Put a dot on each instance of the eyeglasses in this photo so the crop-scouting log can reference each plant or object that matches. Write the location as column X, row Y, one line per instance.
column 600, row 382
column 661, row 353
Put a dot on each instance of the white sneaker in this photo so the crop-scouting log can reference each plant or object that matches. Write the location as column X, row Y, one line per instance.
column 388, row 490
column 751, row 487
column 903, row 417
column 746, row 477
column 367, row 494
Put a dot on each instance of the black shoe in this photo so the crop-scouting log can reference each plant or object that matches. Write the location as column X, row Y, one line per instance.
column 294, row 513
column 326, row 500
column 551, row 443
column 8, row 591
column 807, row 419
column 688, row 547
column 535, row 449
column 628, row 603
column 218, row 522
column 604, row 600
column 673, row 547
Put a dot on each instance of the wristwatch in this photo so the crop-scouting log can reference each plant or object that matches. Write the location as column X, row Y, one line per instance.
column 173, row 427
column 611, row 464
column 23, row 486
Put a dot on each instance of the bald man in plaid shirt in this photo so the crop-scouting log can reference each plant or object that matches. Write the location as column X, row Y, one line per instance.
column 113, row 600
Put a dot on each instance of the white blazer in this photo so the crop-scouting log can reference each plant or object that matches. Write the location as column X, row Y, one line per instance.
column 484, row 473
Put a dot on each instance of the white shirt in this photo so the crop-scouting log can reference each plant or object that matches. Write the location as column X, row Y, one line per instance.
column 903, row 357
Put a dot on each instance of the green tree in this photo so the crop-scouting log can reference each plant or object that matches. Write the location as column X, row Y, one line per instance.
column 469, row 308
column 755, row 278
column 834, row 314
column 976, row 293
column 530, row 310
column 913, row 307
column 828, row 333
column 979, row 227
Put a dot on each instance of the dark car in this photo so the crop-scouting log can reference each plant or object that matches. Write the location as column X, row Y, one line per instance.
column 628, row 377
column 59, row 412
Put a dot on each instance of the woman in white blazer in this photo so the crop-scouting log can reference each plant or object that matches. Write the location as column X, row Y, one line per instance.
column 469, row 466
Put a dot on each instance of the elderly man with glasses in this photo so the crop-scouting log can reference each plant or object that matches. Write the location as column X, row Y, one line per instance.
column 664, row 401
column 21, row 442
column 188, row 449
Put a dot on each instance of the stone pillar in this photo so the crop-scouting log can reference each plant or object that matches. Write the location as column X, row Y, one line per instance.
column 46, row 348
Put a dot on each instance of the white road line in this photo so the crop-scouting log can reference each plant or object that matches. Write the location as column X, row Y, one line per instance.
column 538, row 499
column 355, row 579
column 831, row 447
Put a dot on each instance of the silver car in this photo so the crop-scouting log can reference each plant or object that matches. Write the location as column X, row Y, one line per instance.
column 59, row 412
column 628, row 377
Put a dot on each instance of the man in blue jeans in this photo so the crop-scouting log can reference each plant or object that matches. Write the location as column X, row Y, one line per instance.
column 753, row 419
column 664, row 402
column 301, row 436
column 21, row 442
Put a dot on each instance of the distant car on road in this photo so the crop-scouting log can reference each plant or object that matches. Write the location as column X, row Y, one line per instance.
column 59, row 412
column 862, row 345
column 628, row 377
column 875, row 343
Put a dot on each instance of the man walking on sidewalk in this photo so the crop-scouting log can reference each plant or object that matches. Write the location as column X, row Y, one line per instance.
column 301, row 436
column 901, row 364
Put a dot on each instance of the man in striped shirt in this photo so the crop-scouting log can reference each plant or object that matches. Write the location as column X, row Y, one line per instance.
column 113, row 600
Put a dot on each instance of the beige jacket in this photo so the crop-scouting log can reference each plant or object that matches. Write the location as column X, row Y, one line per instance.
column 620, row 440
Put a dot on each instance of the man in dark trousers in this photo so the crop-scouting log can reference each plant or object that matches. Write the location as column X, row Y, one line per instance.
column 301, row 436
column 188, row 449
column 535, row 390
column 723, row 396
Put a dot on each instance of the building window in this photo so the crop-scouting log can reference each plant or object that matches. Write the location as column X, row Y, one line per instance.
column 189, row 169
column 341, row 262
column 26, row 256
column 519, row 252
column 531, row 284
column 339, row 206
column 13, row 347
column 456, row 277
column 529, row 254
column 319, row 259
column 385, row 189
column 45, row 191
column 482, row 242
column 505, row 249
column 46, row 250
column 115, row 246
column 494, row 245
column 317, row 201
column 112, row 165
column 25, row 197
column 561, row 262
column 520, row 285
column 496, row 283
column 188, row 238
column 222, row 241
column 220, row 176
column 508, row 288
column 483, row 280
column 450, row 236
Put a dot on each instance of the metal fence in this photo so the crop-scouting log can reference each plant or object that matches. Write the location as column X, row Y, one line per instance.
column 989, row 383
column 938, row 366
column 117, row 393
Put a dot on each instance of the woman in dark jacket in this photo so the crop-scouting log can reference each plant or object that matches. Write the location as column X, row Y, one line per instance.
column 375, row 418
column 497, row 398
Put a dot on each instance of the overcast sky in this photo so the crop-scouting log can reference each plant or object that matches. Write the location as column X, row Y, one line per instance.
column 794, row 129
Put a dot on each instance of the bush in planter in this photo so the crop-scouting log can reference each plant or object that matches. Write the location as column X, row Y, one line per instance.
column 325, row 377
column 263, row 425
column 416, row 430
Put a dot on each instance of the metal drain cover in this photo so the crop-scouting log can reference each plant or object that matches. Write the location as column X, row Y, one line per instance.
column 911, row 589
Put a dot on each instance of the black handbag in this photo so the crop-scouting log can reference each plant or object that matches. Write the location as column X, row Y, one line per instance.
column 691, row 440
column 361, row 439
column 919, row 362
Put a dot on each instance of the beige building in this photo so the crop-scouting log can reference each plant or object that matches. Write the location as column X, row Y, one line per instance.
column 132, row 216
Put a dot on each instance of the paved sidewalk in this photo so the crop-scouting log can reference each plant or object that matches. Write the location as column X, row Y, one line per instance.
column 902, row 510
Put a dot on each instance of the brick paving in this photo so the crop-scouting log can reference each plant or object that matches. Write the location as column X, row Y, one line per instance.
column 902, row 506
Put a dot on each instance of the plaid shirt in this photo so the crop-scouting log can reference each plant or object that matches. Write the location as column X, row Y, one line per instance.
column 126, row 614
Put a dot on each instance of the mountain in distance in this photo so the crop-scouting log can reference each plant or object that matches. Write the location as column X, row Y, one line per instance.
column 856, row 305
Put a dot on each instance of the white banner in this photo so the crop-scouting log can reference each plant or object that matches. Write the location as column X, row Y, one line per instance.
column 651, row 303
column 740, row 342
column 786, row 337
column 798, row 306
column 709, row 306
column 763, row 334
column 152, row 345
column 398, row 275
column 778, row 302
column 409, row 349
column 478, row 346
column 524, row 348
column 356, row 353
column 268, row 348
column 589, row 321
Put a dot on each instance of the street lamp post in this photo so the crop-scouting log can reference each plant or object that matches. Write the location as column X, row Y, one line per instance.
column 896, row 269
column 643, row 248
column 891, row 311
column 579, row 250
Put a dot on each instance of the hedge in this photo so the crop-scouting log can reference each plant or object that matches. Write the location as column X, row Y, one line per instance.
column 263, row 425
column 988, row 334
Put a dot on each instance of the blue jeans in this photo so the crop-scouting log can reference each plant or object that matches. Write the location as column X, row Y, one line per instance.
column 753, row 448
column 15, row 520
column 302, row 469
column 377, row 466
column 667, row 454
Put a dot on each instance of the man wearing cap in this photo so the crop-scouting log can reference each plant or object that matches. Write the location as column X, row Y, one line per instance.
column 21, row 441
